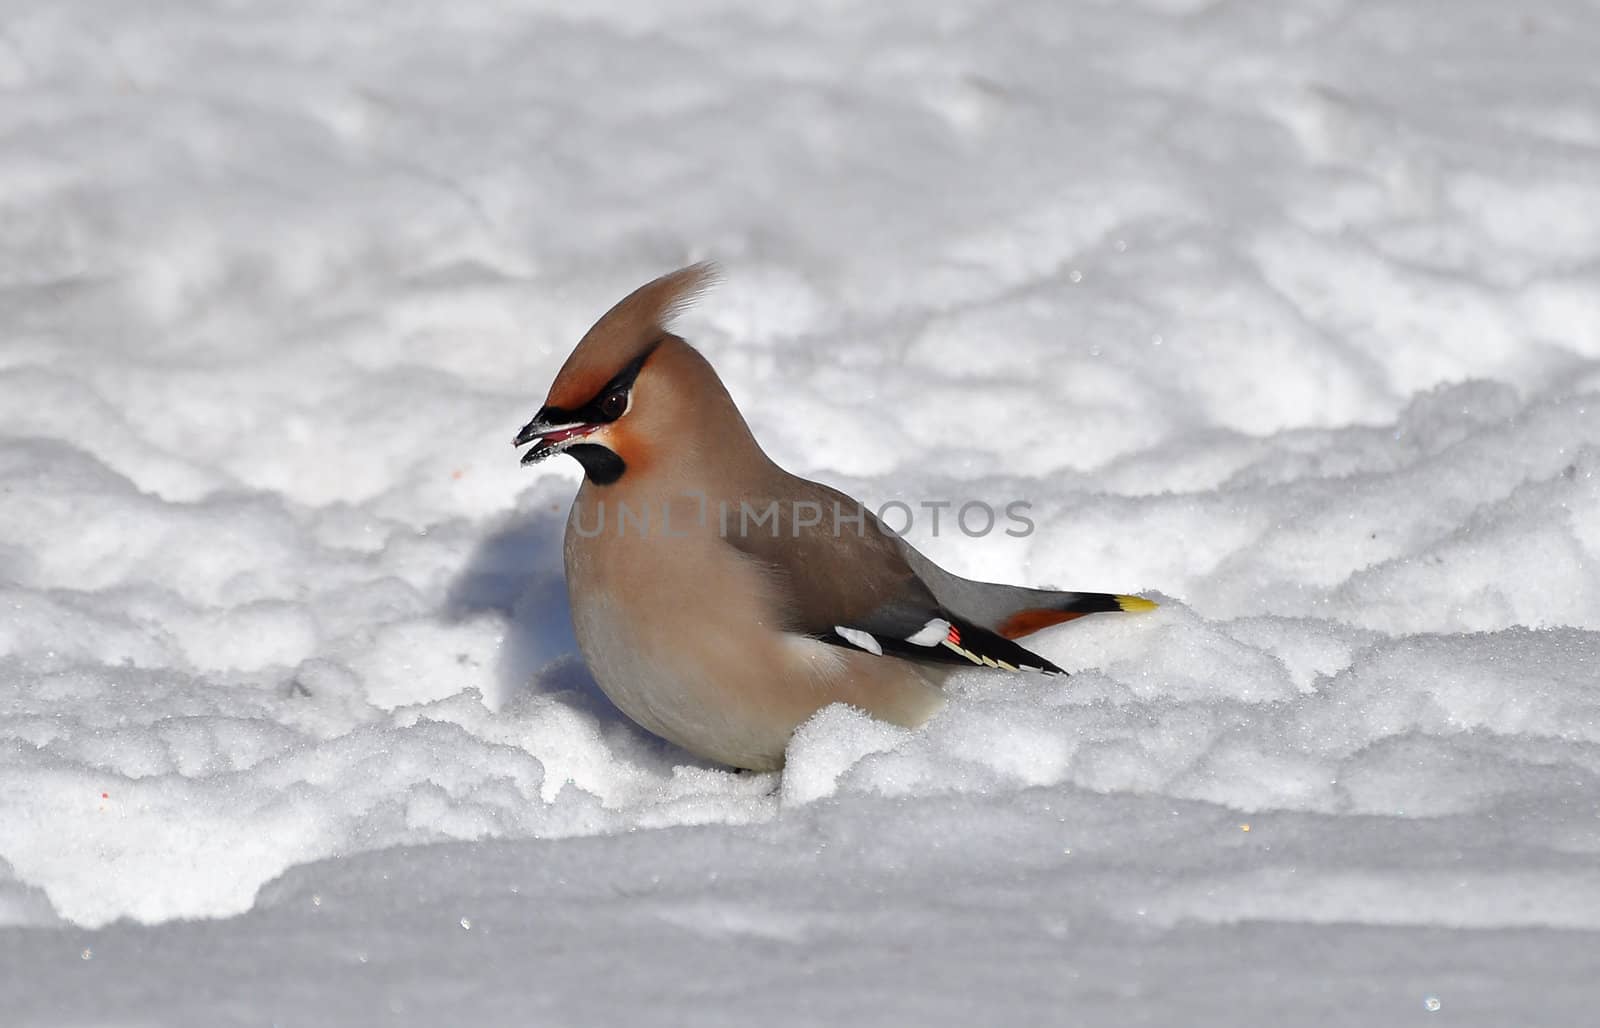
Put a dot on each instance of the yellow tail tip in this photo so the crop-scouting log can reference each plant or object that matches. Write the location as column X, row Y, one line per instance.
column 1136, row 603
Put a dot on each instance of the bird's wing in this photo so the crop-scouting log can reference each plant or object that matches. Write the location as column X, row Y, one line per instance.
column 942, row 639
column 849, row 583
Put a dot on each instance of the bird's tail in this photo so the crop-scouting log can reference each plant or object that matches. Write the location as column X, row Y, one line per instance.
column 1013, row 611
column 1058, row 607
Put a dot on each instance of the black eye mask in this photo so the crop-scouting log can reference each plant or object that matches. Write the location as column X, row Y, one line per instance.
column 594, row 412
column 560, row 430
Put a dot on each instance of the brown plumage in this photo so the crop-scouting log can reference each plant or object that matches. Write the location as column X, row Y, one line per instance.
column 722, row 632
column 637, row 321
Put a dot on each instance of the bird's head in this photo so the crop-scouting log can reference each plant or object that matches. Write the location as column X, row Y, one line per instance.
column 630, row 387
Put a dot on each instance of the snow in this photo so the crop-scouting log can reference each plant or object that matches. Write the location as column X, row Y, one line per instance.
column 1288, row 314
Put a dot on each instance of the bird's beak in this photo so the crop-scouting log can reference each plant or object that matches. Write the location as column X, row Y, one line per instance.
column 549, row 438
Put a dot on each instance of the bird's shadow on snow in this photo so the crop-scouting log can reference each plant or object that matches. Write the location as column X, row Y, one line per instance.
column 517, row 572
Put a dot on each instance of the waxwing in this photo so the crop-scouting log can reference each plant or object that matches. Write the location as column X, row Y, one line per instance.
column 721, row 601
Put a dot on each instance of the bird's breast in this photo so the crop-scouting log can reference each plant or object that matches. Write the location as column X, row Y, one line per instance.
column 678, row 629
column 685, row 634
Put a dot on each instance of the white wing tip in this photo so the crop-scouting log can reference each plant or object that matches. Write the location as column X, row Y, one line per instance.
column 863, row 640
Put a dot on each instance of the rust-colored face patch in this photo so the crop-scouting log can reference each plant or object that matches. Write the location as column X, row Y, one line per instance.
column 624, row 442
column 1027, row 622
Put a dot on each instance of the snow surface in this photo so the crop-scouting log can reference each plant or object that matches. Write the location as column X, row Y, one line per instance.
column 1287, row 312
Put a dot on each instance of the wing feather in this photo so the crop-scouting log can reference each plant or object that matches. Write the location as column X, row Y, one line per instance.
column 857, row 589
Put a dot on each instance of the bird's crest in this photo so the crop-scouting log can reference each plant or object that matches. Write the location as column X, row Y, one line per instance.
column 632, row 327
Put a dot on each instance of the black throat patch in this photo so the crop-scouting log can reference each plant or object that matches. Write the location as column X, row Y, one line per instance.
column 600, row 465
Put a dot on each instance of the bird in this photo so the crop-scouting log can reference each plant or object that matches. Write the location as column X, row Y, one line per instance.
column 720, row 601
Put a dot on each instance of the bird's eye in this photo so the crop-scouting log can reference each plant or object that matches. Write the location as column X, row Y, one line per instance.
column 614, row 404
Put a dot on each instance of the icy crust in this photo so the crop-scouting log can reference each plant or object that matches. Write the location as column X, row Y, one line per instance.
column 22, row 904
